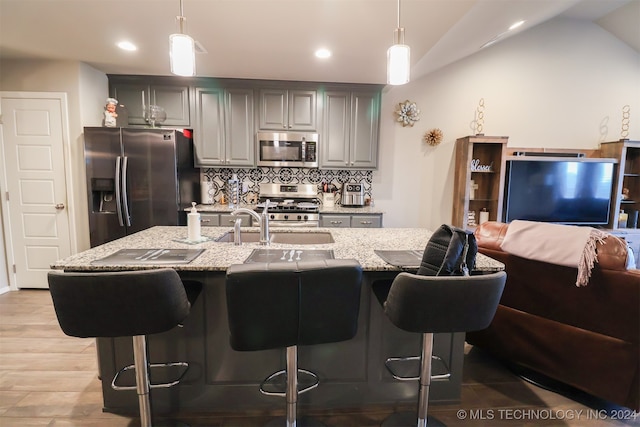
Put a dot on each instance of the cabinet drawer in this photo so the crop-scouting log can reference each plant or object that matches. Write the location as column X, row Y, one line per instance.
column 209, row 220
column 337, row 221
column 366, row 221
column 227, row 220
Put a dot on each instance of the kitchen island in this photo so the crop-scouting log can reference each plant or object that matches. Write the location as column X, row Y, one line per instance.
column 352, row 373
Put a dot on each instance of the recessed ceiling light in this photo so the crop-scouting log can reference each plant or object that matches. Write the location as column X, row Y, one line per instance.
column 516, row 25
column 127, row 46
column 323, row 53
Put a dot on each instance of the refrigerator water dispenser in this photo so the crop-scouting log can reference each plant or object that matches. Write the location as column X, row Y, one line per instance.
column 103, row 195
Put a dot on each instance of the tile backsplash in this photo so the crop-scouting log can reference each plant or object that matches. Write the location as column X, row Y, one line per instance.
column 252, row 178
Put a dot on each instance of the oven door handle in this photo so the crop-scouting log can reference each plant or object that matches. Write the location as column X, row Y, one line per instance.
column 294, row 223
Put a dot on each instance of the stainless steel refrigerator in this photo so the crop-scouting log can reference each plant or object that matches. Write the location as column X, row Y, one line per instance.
column 137, row 178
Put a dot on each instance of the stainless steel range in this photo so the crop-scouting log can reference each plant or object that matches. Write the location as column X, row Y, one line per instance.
column 290, row 205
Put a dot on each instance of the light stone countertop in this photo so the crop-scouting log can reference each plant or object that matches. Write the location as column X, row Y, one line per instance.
column 356, row 243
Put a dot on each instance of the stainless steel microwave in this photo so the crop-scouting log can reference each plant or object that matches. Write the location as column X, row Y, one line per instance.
column 289, row 149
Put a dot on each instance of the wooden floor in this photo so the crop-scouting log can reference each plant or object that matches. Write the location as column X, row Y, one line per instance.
column 49, row 379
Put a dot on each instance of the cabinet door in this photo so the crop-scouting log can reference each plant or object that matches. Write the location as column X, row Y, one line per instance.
column 209, row 132
column 239, row 128
column 175, row 102
column 302, row 110
column 363, row 151
column 134, row 96
column 282, row 109
column 273, row 109
column 366, row 221
column 336, row 221
column 334, row 140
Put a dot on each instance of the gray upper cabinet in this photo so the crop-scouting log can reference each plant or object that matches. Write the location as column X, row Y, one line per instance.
column 282, row 110
column 137, row 93
column 349, row 137
column 223, row 128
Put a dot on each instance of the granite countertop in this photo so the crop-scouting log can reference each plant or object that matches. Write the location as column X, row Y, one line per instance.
column 337, row 209
column 356, row 243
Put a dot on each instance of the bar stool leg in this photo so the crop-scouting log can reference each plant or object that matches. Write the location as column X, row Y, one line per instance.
column 292, row 385
column 425, row 379
column 142, row 379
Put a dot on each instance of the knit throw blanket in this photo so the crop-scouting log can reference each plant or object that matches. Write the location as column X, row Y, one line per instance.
column 566, row 245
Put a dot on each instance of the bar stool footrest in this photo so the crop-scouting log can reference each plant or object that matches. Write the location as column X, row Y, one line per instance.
column 403, row 360
column 283, row 372
column 168, row 384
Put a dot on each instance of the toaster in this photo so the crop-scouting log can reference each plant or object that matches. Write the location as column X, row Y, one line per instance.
column 352, row 194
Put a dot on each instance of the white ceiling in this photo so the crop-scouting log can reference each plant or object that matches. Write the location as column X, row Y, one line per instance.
column 275, row 39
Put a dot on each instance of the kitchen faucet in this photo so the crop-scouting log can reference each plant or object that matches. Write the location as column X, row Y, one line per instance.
column 263, row 223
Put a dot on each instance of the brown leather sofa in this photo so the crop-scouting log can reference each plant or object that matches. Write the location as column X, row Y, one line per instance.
column 587, row 337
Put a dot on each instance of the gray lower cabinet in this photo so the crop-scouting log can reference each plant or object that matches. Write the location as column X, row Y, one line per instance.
column 337, row 221
column 137, row 94
column 285, row 110
column 350, row 129
column 224, row 127
column 209, row 219
column 351, row 221
column 366, row 221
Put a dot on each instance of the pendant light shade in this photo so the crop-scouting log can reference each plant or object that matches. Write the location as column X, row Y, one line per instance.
column 398, row 57
column 183, row 55
column 182, row 51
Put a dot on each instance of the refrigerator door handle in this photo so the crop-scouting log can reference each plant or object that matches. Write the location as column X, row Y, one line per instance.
column 125, row 197
column 118, row 193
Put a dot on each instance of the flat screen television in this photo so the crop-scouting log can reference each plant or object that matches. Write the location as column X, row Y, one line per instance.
column 559, row 190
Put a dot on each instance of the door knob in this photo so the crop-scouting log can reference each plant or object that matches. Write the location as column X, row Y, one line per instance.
column 59, row 206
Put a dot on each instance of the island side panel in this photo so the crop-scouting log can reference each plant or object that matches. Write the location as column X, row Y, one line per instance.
column 352, row 373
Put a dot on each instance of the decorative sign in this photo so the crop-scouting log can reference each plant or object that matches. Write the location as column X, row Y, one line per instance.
column 477, row 167
column 471, row 219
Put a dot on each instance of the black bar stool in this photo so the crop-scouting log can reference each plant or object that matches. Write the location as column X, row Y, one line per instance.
column 121, row 304
column 286, row 304
column 437, row 304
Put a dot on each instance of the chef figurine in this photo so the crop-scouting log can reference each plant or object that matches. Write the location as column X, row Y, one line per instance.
column 110, row 113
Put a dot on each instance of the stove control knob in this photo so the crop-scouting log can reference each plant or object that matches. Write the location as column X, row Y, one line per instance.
column 286, row 217
column 306, row 217
column 300, row 217
column 272, row 216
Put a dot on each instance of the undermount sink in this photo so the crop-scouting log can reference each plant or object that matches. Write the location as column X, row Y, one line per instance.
column 292, row 238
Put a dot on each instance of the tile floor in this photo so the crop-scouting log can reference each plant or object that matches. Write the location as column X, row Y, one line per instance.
column 49, row 379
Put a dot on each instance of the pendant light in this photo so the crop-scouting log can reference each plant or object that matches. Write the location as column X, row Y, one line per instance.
column 182, row 50
column 398, row 57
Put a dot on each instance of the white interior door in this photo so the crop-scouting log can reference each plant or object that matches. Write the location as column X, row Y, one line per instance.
column 37, row 223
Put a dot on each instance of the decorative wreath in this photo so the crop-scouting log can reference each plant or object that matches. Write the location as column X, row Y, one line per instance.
column 433, row 137
column 407, row 113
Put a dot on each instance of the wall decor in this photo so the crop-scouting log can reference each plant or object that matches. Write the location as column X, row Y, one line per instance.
column 477, row 167
column 626, row 115
column 479, row 121
column 408, row 113
column 433, row 137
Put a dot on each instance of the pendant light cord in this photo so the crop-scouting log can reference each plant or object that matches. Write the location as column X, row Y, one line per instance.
column 398, row 26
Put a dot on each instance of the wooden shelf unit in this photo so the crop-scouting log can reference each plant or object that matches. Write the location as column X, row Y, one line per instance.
column 627, row 175
column 486, row 150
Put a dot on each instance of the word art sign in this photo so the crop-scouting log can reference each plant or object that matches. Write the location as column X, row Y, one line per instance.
column 477, row 167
